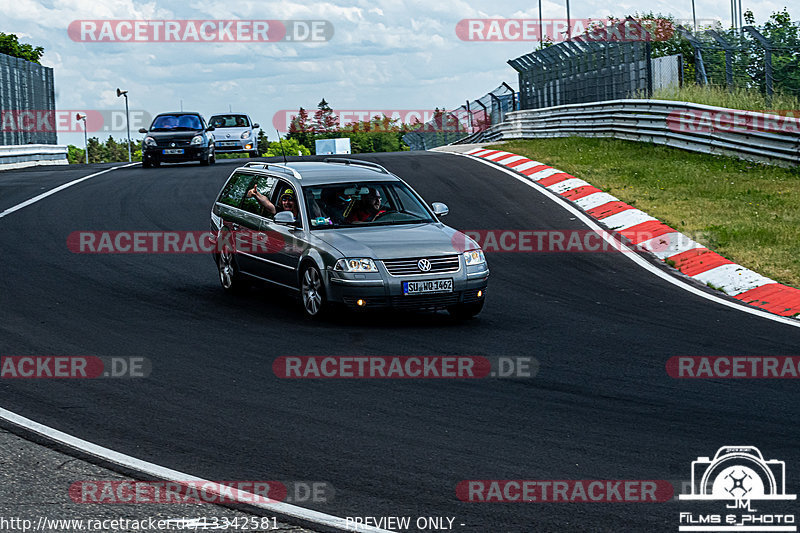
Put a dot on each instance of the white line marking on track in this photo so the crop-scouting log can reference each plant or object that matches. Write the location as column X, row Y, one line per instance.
column 669, row 278
column 45, row 194
column 173, row 475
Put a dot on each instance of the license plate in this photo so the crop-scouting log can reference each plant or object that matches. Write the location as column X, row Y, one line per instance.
column 172, row 151
column 227, row 143
column 428, row 286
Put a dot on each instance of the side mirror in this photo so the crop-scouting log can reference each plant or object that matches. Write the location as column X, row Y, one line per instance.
column 142, row 130
column 210, row 128
column 286, row 218
column 256, row 125
column 440, row 209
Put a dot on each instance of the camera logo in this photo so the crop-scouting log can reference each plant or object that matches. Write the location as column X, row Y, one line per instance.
column 738, row 475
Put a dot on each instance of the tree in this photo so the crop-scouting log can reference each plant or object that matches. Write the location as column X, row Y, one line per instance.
column 290, row 146
column 10, row 45
column 324, row 119
column 301, row 128
column 262, row 141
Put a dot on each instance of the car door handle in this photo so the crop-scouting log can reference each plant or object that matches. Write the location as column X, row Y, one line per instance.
column 235, row 226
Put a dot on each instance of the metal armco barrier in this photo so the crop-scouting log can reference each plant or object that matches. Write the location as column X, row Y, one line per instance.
column 32, row 154
column 699, row 128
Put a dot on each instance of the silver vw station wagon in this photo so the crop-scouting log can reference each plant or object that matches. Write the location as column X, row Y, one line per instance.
column 343, row 232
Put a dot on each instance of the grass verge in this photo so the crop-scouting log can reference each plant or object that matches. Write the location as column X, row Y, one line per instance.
column 744, row 211
column 746, row 99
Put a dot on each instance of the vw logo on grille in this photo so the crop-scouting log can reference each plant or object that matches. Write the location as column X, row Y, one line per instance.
column 424, row 265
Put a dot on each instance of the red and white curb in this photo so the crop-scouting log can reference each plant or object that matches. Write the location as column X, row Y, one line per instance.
column 668, row 244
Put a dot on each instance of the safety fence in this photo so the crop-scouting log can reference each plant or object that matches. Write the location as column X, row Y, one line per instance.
column 26, row 88
column 447, row 127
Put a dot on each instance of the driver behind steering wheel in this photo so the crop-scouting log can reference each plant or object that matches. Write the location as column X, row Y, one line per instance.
column 368, row 209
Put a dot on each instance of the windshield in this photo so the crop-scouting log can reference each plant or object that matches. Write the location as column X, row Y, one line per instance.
column 229, row 121
column 177, row 122
column 363, row 204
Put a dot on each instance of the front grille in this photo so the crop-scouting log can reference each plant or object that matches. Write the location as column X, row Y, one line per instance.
column 179, row 143
column 426, row 301
column 407, row 267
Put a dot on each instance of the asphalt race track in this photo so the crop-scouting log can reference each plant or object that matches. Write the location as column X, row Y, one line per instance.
column 601, row 327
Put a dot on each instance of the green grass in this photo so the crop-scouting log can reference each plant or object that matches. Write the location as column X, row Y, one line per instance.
column 744, row 211
column 746, row 99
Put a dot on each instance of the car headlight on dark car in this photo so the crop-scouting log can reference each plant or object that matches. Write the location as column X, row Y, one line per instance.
column 356, row 265
column 197, row 140
column 246, row 134
column 149, row 141
column 474, row 257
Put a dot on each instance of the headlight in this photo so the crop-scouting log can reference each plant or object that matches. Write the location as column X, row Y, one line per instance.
column 149, row 141
column 246, row 134
column 197, row 139
column 356, row 265
column 474, row 257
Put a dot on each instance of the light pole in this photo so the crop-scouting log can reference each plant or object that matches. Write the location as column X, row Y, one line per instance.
column 569, row 23
column 541, row 33
column 127, row 120
column 694, row 17
column 80, row 117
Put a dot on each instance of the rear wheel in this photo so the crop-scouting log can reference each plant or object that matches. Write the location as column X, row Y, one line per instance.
column 465, row 311
column 312, row 292
column 229, row 276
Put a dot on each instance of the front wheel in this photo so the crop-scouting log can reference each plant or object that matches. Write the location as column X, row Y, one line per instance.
column 465, row 311
column 312, row 292
column 253, row 154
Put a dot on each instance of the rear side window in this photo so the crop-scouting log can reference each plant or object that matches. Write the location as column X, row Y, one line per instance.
column 235, row 189
column 265, row 185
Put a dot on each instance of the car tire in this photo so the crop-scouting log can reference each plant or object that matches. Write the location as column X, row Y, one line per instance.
column 146, row 164
column 312, row 292
column 465, row 311
column 229, row 276
column 253, row 154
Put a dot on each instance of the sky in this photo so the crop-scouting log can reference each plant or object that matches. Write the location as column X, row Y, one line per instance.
column 383, row 54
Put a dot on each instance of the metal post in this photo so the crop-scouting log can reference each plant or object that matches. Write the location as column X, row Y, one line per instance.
column 128, row 124
column 694, row 17
column 569, row 22
column 85, row 141
column 541, row 30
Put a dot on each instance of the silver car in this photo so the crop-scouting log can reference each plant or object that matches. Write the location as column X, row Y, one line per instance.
column 344, row 232
column 235, row 133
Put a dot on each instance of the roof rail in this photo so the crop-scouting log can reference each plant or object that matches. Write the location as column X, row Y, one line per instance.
column 281, row 168
column 345, row 161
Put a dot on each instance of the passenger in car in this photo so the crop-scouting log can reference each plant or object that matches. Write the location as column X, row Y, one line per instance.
column 367, row 209
column 287, row 202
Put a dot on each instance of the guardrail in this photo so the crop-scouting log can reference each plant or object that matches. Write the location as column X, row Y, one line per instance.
column 28, row 155
column 748, row 135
